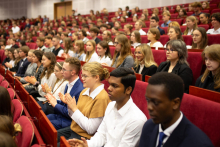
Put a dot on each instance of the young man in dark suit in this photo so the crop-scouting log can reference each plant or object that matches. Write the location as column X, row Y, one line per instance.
column 168, row 127
column 154, row 23
column 94, row 31
column 23, row 63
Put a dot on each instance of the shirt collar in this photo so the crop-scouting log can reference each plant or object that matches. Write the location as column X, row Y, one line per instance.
column 170, row 129
column 167, row 22
column 125, row 108
column 73, row 82
column 24, row 59
column 95, row 92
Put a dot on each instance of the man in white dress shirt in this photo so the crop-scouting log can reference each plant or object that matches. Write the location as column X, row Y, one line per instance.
column 15, row 28
column 215, row 23
column 123, row 120
column 138, row 26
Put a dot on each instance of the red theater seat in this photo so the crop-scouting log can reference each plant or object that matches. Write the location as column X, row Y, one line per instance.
column 32, row 45
column 204, row 26
column 187, row 39
column 183, row 28
column 164, row 39
column 215, row 11
column 159, row 56
column 213, row 39
column 144, row 39
column 204, row 114
column 18, row 109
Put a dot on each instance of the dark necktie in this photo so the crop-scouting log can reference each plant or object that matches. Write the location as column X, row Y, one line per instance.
column 161, row 138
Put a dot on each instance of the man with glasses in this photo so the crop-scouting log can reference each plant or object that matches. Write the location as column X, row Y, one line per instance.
column 70, row 71
column 215, row 23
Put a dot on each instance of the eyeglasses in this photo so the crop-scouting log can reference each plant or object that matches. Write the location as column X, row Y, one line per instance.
column 84, row 76
column 65, row 69
column 195, row 35
column 137, row 52
column 168, row 50
column 115, row 43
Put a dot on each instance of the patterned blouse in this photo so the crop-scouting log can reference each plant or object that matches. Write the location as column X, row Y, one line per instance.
column 29, row 72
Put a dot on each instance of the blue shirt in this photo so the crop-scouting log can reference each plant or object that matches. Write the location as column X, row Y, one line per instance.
column 166, row 24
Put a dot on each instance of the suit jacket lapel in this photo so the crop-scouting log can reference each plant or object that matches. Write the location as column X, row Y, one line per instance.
column 176, row 68
column 153, row 137
column 66, row 88
column 73, row 90
column 144, row 70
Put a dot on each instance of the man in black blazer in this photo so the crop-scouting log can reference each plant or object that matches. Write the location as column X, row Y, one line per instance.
column 23, row 64
column 168, row 127
column 154, row 23
column 94, row 31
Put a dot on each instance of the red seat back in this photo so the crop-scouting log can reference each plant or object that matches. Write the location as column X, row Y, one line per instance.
column 11, row 93
column 204, row 26
column 144, row 39
column 215, row 11
column 138, row 96
column 4, row 84
column 159, row 56
column 18, row 109
column 213, row 39
column 24, row 139
column 164, row 39
column 187, row 39
column 204, row 114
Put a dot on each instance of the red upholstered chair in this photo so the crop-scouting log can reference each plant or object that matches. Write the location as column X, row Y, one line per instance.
column 164, row 39
column 106, row 84
column 180, row 21
column 174, row 16
column 11, row 93
column 215, row 11
column 183, row 28
column 213, row 39
column 213, row 6
column 112, row 50
column 34, row 39
column 147, row 23
column 195, row 62
column 2, row 69
column 187, row 39
column 100, row 37
column 159, row 56
column 205, row 11
column 145, row 29
column 1, row 79
column 18, row 109
column 189, row 13
column 144, row 38
column 32, row 45
column 4, row 84
column 204, row 26
column 204, row 114
column 36, row 145
column 147, row 78
column 24, row 139
column 165, row 29
column 138, row 96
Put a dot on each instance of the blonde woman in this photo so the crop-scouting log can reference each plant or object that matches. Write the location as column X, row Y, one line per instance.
column 153, row 36
column 144, row 61
column 107, row 36
column 79, row 50
column 191, row 23
column 135, row 39
column 122, row 56
column 91, row 54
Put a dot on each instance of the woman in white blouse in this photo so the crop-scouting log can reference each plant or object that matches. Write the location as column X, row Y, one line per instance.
column 103, row 51
column 79, row 50
column 68, row 45
column 107, row 36
column 135, row 39
column 11, row 56
column 58, row 88
column 91, row 54
column 153, row 36
column 191, row 23
column 47, row 76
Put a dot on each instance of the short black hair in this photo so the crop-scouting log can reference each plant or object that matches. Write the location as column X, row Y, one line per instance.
column 85, row 26
column 155, row 18
column 22, row 42
column 127, row 76
column 173, row 84
column 216, row 16
column 51, row 33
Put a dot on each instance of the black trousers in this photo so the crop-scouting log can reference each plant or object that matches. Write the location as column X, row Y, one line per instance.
column 46, row 108
column 67, row 133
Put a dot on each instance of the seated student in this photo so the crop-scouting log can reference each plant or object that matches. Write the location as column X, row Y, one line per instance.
column 91, row 54
column 103, row 51
column 205, row 5
column 86, row 120
column 138, row 27
column 154, row 23
column 153, row 36
column 144, row 61
column 22, row 43
column 75, row 37
column 68, row 45
column 127, row 127
column 210, row 79
column 123, row 19
column 11, row 56
column 178, row 7
column 204, row 18
column 83, row 36
column 58, row 88
column 174, row 34
column 155, row 11
column 70, row 70
column 117, row 15
column 94, row 33
column 103, row 28
column 16, row 63
column 182, row 13
column 118, row 24
column 200, row 39
column 144, row 17
column 197, row 6
column 107, row 36
column 30, row 69
column 49, row 43
column 68, row 30
column 215, row 20
column 6, row 106
column 47, row 76
column 29, row 38
column 135, row 39
column 164, row 94
column 176, row 63
column 7, row 59
column 128, row 29
column 79, row 50
column 40, row 43
column 23, row 64
column 173, row 24
column 86, row 28
column 122, row 56
column 58, row 50
column 114, row 31
column 9, row 43
column 191, row 24
column 30, row 82
column 13, row 42
column 63, row 36
column 166, row 19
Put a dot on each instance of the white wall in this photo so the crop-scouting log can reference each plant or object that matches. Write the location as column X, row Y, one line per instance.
column 33, row 8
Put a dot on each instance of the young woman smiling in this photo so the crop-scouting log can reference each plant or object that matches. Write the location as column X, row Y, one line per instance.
column 91, row 54
column 103, row 50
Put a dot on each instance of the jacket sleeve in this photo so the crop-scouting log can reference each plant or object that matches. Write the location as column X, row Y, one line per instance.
column 152, row 70
column 187, row 76
column 128, row 62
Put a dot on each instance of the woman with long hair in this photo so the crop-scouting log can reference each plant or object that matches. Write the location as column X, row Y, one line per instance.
column 68, row 45
column 191, row 23
column 128, row 29
column 153, row 36
column 122, row 56
column 144, row 61
column 103, row 50
column 6, row 104
column 91, row 54
column 79, row 50
column 17, row 60
column 200, row 39
column 135, row 39
column 107, row 36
